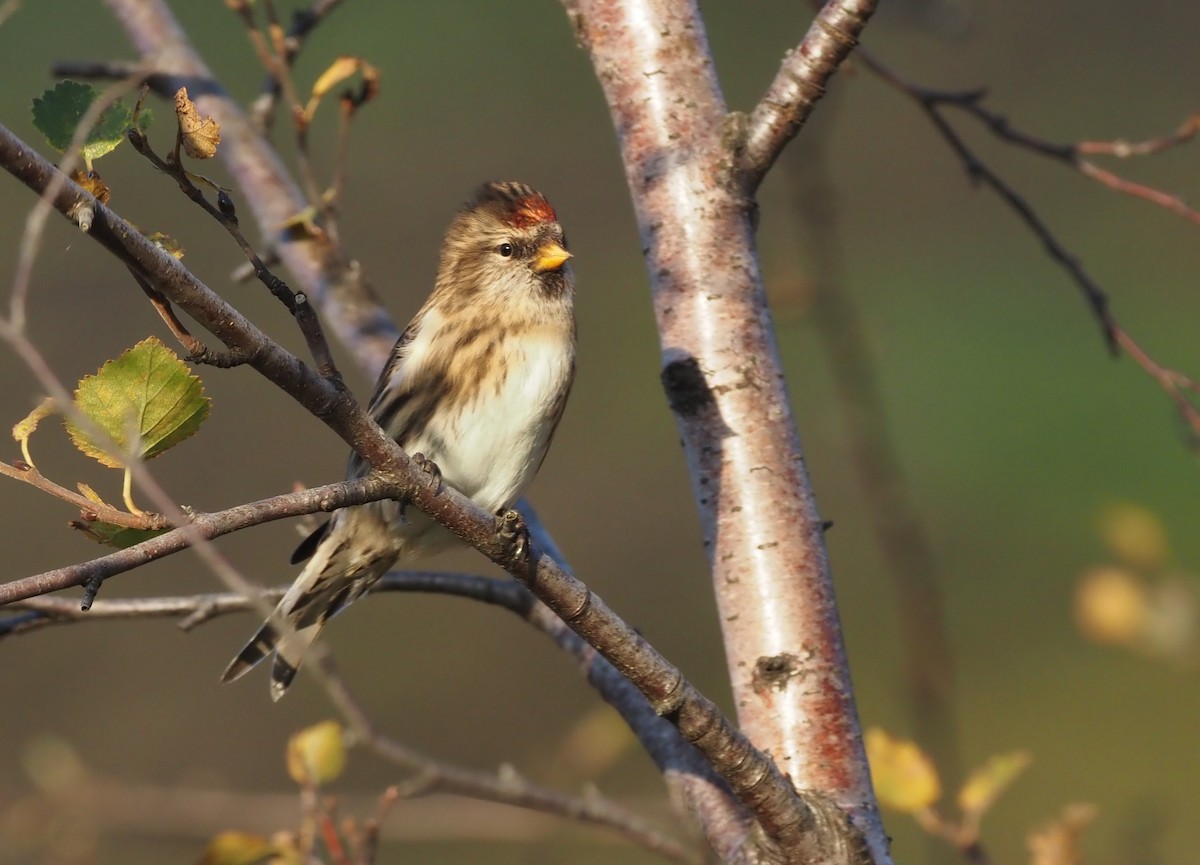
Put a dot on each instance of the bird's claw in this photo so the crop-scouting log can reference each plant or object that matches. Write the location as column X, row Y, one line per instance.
column 512, row 532
column 430, row 468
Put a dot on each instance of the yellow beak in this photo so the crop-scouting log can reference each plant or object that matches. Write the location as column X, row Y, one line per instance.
column 550, row 256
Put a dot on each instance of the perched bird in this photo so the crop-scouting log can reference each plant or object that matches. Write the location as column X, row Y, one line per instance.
column 476, row 384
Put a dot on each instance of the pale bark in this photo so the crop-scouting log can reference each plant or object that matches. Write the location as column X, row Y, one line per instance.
column 688, row 171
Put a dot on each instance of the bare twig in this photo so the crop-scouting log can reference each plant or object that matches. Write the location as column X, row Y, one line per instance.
column 304, row 21
column 1123, row 149
column 92, row 509
column 323, row 498
column 272, row 54
column 931, row 101
column 295, row 302
column 1071, row 154
column 197, row 351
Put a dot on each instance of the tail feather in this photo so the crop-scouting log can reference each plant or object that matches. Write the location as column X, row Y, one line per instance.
column 345, row 562
column 259, row 646
column 289, row 654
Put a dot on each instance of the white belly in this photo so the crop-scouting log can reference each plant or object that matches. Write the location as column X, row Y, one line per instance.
column 491, row 450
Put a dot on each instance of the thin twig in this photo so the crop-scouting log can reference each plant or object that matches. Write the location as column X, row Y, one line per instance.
column 1115, row 336
column 92, row 510
column 197, row 351
column 295, row 302
column 1071, row 154
column 304, row 21
column 35, row 222
column 1123, row 149
column 205, row 525
column 272, row 55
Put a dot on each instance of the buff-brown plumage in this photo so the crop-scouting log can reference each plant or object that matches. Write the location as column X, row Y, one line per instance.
column 477, row 384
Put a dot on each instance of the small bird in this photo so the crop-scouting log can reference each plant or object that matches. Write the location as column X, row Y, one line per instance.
column 476, row 385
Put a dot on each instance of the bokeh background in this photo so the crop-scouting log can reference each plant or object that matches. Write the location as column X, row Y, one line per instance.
column 1014, row 426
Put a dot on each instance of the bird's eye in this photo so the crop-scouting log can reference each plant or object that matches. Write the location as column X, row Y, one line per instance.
column 505, row 249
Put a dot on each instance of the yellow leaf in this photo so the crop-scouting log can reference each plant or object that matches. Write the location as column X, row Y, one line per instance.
column 317, row 754
column 986, row 783
column 23, row 429
column 238, row 848
column 166, row 243
column 1111, row 606
column 1057, row 843
column 200, row 135
column 1135, row 535
column 90, row 493
column 53, row 765
column 301, row 225
column 905, row 778
column 339, row 71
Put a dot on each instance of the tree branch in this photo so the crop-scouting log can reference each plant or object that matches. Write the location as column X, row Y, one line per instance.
column 1175, row 384
column 685, row 772
column 799, row 85
column 722, row 375
column 750, row 775
column 333, row 281
column 324, row 498
column 26, row 473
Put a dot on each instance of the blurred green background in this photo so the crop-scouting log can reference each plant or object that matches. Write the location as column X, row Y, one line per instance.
column 1014, row 426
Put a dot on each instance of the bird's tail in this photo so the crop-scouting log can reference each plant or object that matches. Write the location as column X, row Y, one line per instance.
column 289, row 648
column 345, row 563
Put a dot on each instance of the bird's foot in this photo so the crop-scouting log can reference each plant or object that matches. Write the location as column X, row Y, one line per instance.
column 430, row 468
column 512, row 532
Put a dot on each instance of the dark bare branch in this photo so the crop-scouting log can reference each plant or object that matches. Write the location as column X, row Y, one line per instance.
column 1173, row 383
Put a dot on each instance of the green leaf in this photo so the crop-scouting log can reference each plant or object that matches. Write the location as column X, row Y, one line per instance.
column 113, row 535
column 147, row 400
column 57, row 114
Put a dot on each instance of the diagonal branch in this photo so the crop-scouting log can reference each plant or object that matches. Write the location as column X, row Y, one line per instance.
column 799, row 85
column 750, row 775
